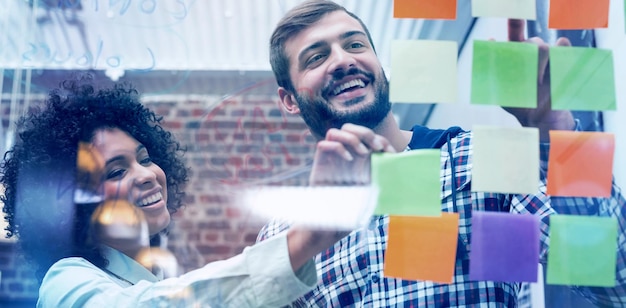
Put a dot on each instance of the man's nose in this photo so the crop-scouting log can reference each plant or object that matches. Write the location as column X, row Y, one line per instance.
column 341, row 62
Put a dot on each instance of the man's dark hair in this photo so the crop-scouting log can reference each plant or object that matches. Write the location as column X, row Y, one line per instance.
column 296, row 20
column 39, row 171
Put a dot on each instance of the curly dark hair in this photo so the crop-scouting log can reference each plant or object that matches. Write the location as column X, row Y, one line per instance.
column 39, row 171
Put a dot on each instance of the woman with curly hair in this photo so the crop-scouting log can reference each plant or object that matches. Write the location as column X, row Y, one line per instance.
column 91, row 175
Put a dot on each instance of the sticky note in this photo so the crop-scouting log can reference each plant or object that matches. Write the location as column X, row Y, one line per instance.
column 582, row 250
column 582, row 78
column 506, row 159
column 504, row 247
column 519, row 9
column 319, row 207
column 422, row 248
column 408, row 182
column 429, row 9
column 580, row 164
column 423, row 71
column 505, row 74
column 578, row 14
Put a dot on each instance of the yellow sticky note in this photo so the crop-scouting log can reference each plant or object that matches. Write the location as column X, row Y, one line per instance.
column 422, row 248
column 506, row 159
column 423, row 71
column 519, row 9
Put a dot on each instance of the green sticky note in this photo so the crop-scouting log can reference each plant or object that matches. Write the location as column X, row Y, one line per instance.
column 519, row 9
column 582, row 250
column 582, row 78
column 408, row 182
column 500, row 152
column 505, row 74
column 423, row 71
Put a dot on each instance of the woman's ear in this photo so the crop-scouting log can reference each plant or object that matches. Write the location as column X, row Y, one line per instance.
column 288, row 100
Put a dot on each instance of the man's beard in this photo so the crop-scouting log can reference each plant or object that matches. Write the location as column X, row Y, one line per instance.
column 320, row 116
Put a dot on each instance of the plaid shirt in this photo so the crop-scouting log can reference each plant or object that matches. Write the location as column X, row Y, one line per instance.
column 352, row 271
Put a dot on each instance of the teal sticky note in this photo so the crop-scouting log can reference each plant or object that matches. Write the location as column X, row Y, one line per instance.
column 500, row 152
column 582, row 78
column 505, row 74
column 423, row 71
column 582, row 251
column 408, row 182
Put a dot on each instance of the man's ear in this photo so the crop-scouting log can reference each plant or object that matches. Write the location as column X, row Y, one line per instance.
column 288, row 100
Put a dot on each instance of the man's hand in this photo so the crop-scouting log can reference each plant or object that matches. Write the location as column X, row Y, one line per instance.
column 343, row 157
column 542, row 117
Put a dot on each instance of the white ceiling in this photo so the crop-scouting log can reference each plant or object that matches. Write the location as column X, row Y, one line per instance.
column 163, row 35
column 181, row 47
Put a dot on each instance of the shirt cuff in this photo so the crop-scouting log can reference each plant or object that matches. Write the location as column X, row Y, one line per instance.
column 577, row 126
column 270, row 269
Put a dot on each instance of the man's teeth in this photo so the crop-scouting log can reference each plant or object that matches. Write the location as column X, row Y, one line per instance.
column 349, row 84
column 150, row 199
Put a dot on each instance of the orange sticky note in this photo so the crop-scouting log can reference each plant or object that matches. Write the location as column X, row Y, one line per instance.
column 580, row 164
column 430, row 9
column 578, row 14
column 422, row 248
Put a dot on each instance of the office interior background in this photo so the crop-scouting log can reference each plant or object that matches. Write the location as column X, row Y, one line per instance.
column 203, row 65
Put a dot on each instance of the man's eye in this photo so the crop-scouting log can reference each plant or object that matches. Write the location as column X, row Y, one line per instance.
column 314, row 59
column 356, row 45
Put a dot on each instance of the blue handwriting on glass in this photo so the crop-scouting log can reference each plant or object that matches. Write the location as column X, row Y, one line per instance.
column 40, row 53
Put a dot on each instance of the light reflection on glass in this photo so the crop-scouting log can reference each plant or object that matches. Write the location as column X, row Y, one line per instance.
column 121, row 225
column 161, row 262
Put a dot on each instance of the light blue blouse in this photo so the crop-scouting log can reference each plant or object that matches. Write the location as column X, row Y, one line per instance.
column 261, row 276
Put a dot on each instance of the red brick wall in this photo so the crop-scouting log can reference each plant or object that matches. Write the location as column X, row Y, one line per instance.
column 243, row 140
column 240, row 141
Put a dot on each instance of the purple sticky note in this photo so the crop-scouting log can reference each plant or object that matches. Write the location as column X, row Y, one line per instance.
column 504, row 247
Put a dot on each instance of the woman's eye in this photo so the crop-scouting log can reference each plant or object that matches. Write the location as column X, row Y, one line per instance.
column 146, row 161
column 114, row 174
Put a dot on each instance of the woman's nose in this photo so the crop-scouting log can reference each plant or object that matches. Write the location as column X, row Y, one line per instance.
column 144, row 177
